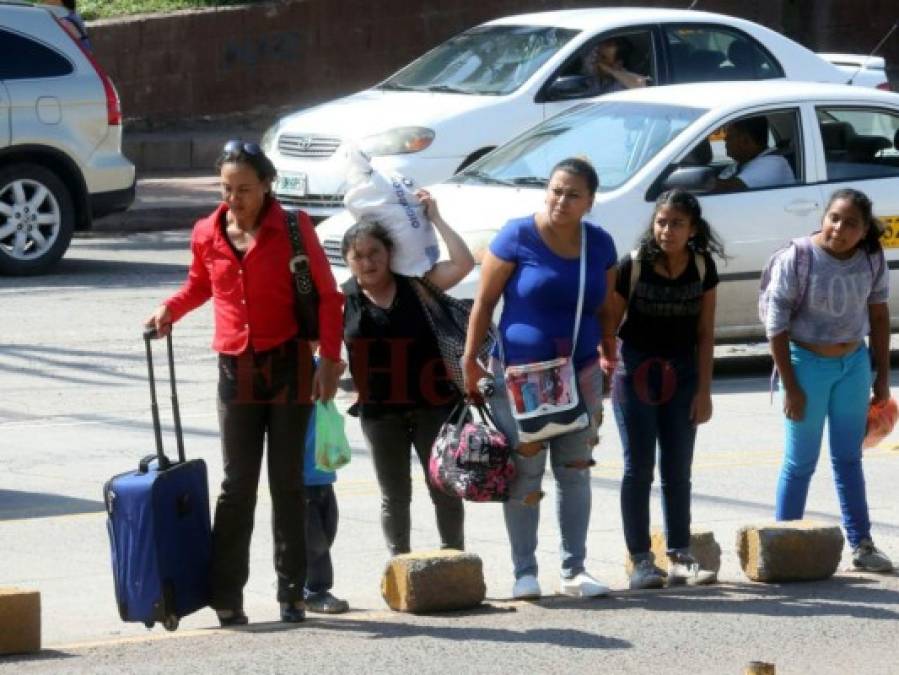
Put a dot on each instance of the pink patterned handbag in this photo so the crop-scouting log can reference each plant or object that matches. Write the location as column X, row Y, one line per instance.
column 471, row 460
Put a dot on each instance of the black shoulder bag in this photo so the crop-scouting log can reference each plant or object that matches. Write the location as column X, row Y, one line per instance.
column 306, row 295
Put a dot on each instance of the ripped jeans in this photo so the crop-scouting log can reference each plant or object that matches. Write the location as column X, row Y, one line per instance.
column 570, row 457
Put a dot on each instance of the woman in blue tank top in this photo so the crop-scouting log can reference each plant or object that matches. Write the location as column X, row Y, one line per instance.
column 534, row 265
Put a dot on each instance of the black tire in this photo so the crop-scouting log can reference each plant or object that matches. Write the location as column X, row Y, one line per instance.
column 473, row 157
column 33, row 236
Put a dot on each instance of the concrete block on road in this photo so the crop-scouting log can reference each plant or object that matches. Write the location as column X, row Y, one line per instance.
column 433, row 581
column 703, row 547
column 797, row 550
column 20, row 621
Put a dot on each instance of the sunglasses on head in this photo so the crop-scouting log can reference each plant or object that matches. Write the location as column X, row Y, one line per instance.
column 236, row 146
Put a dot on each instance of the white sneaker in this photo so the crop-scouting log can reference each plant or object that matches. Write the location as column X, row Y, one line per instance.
column 583, row 586
column 526, row 588
column 684, row 569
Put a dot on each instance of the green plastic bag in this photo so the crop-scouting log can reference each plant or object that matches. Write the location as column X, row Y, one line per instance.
column 332, row 450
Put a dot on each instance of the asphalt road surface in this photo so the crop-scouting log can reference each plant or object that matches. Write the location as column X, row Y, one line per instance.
column 74, row 410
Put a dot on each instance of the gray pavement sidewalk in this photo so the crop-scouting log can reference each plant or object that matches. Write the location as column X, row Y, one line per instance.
column 163, row 202
column 75, row 411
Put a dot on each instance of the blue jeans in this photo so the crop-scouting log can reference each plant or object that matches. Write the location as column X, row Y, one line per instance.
column 571, row 458
column 651, row 397
column 838, row 389
column 321, row 529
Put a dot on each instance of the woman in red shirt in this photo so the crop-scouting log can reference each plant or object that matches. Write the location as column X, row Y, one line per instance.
column 241, row 255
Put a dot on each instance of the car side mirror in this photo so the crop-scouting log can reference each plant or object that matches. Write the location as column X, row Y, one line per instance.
column 692, row 179
column 568, row 86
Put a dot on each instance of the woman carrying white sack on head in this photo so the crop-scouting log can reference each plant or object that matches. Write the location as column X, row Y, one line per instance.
column 404, row 391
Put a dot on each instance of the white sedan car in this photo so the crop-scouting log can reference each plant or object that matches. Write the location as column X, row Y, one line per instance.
column 865, row 71
column 644, row 141
column 490, row 83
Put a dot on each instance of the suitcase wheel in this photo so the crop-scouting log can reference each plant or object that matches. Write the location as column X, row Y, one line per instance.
column 170, row 623
column 149, row 624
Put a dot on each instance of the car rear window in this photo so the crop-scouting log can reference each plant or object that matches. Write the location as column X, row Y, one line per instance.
column 22, row 58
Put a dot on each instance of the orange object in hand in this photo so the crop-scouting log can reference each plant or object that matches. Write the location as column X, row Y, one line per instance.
column 882, row 417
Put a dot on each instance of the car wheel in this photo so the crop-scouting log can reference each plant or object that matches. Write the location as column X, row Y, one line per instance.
column 37, row 219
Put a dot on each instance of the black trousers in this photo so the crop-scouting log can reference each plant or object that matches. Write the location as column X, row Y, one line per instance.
column 390, row 436
column 262, row 396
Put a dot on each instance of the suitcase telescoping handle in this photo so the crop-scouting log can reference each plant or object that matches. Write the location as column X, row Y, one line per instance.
column 149, row 335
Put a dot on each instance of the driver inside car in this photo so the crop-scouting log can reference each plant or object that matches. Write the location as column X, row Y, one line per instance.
column 755, row 164
column 605, row 63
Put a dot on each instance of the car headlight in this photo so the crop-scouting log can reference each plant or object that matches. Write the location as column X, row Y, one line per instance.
column 399, row 141
column 268, row 138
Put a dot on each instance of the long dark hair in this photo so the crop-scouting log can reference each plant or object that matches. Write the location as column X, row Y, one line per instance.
column 704, row 241
column 365, row 228
column 871, row 241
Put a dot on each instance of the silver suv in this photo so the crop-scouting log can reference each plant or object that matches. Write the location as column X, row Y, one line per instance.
column 61, row 162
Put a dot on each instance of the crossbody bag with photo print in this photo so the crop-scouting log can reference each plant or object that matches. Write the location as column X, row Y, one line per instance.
column 544, row 396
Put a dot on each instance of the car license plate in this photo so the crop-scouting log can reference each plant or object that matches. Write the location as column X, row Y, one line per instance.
column 890, row 238
column 291, row 183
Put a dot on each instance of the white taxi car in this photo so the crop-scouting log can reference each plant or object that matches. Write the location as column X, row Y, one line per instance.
column 490, row 83
column 644, row 141
column 866, row 71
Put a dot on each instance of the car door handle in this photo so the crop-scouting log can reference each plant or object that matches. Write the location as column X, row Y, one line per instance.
column 801, row 207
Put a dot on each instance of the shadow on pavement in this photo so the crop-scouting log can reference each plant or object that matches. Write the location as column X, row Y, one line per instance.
column 67, row 365
column 559, row 637
column 855, row 597
column 105, row 274
column 43, row 655
column 415, row 626
column 16, row 505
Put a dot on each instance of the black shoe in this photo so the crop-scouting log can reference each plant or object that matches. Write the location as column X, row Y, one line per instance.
column 232, row 617
column 325, row 603
column 293, row 612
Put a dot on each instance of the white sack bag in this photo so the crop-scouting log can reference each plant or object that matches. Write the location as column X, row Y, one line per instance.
column 391, row 201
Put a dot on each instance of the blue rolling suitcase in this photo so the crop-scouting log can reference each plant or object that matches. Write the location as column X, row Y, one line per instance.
column 158, row 523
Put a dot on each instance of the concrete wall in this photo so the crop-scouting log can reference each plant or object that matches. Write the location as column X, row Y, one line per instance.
column 267, row 56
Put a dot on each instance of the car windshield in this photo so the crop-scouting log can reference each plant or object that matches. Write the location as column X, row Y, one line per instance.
column 489, row 60
column 618, row 138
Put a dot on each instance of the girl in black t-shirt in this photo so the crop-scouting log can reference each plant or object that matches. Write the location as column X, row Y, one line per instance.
column 661, row 385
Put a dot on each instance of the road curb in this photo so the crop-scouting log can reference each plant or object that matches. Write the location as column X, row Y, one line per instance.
column 147, row 220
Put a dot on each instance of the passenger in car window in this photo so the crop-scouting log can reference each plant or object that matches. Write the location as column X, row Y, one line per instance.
column 606, row 64
column 755, row 164
column 826, row 293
